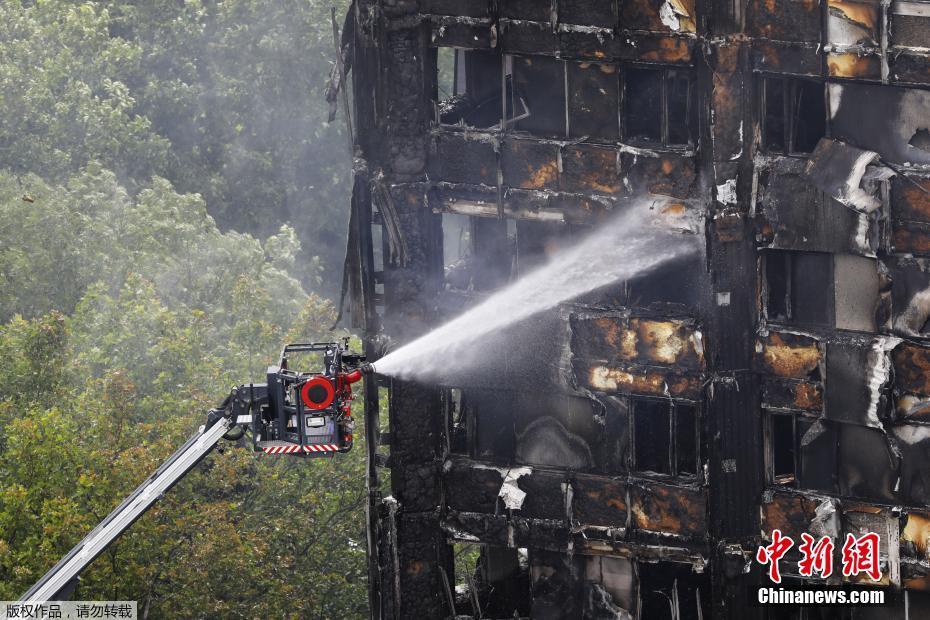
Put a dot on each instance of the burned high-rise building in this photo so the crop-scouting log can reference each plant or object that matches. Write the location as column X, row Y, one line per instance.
column 637, row 445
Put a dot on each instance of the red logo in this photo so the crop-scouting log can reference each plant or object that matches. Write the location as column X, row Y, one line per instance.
column 772, row 553
column 860, row 555
column 816, row 557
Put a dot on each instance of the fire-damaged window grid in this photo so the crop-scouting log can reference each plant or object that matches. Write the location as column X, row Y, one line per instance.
column 864, row 38
column 665, row 437
column 783, row 462
column 794, row 282
column 794, row 421
column 655, row 105
column 495, row 581
column 478, row 252
column 793, row 113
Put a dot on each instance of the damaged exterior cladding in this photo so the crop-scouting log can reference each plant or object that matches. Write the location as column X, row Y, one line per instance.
column 780, row 379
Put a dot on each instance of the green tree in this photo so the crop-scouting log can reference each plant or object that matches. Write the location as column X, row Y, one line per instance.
column 222, row 99
column 64, row 93
column 137, row 138
column 163, row 312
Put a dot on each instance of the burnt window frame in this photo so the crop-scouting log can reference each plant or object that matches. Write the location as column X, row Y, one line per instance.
column 888, row 29
column 463, row 83
column 789, row 257
column 486, row 268
column 691, row 126
column 771, row 476
column 829, row 304
column 674, row 407
column 692, row 121
column 455, row 51
column 459, row 424
column 788, row 117
column 801, row 422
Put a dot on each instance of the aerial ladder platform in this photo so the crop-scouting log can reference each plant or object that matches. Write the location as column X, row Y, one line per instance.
column 296, row 413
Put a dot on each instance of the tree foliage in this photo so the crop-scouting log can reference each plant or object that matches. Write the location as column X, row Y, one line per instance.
column 224, row 99
column 163, row 313
column 170, row 191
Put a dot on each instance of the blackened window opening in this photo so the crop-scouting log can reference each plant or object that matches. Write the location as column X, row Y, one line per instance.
column 783, row 449
column 446, row 60
column 685, row 440
column 658, row 106
column 539, row 83
column 665, row 437
column 799, row 286
column 458, row 251
column 794, row 115
column 593, row 101
column 476, row 84
column 670, row 591
column 457, row 422
column 549, row 97
column 652, row 425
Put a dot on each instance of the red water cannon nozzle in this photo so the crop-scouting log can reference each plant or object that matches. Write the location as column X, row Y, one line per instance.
column 358, row 373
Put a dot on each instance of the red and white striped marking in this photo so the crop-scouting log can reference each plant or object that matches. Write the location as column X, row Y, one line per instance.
column 281, row 449
column 290, row 449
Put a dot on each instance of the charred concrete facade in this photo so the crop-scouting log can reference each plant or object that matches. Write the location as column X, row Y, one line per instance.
column 778, row 380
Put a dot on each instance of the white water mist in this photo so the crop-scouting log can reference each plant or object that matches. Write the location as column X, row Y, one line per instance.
column 627, row 246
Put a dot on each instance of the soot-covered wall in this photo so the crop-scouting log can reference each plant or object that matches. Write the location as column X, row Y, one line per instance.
column 632, row 448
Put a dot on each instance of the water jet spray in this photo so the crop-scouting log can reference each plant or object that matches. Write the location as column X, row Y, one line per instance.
column 631, row 245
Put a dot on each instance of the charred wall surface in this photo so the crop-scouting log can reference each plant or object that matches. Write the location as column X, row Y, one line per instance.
column 777, row 380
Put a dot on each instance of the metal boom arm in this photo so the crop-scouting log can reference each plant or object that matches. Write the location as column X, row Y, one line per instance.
column 170, row 472
column 306, row 414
